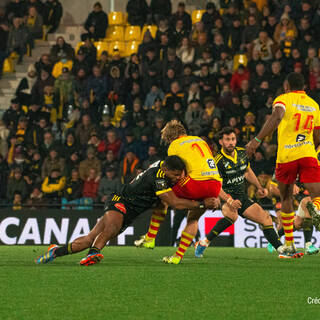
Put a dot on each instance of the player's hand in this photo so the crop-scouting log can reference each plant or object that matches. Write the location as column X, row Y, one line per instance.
column 251, row 147
column 296, row 190
column 262, row 192
column 234, row 204
column 212, row 203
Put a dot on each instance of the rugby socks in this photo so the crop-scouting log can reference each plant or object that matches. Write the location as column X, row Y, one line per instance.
column 64, row 250
column 287, row 222
column 93, row 250
column 185, row 242
column 281, row 232
column 271, row 235
column 220, row 226
column 307, row 229
column 316, row 202
column 156, row 219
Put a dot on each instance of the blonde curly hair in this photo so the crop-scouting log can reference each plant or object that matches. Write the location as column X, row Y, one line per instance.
column 172, row 130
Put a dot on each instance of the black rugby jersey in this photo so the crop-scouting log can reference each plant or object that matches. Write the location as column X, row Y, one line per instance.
column 232, row 170
column 142, row 193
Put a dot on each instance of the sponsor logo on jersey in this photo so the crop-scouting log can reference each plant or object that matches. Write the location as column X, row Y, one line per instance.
column 211, row 164
column 120, row 206
column 209, row 173
column 161, row 184
column 235, row 180
column 226, row 165
column 297, row 145
column 300, row 138
column 304, row 108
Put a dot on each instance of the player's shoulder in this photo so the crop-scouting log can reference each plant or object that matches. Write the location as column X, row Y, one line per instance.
column 241, row 150
column 155, row 169
column 281, row 96
column 218, row 157
column 282, row 99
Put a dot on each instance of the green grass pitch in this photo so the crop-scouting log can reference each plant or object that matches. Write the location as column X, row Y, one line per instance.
column 133, row 283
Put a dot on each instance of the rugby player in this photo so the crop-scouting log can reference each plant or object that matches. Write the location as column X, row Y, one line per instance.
column 146, row 190
column 234, row 168
column 302, row 218
column 297, row 118
column 202, row 181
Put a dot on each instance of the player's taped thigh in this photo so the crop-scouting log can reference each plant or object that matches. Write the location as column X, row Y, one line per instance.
column 300, row 212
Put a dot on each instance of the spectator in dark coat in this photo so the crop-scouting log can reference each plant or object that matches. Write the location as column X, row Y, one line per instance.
column 61, row 48
column 181, row 14
column 88, row 49
column 43, row 81
column 109, row 184
column 80, row 62
column 16, row 183
column 137, row 12
column 12, row 115
column 209, row 17
column 34, row 25
column 160, row 9
column 18, row 38
column 73, row 189
column 97, row 86
column 52, row 14
column 97, row 22
column 16, row 8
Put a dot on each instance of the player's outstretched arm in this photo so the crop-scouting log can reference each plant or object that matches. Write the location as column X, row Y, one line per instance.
column 178, row 203
column 271, row 124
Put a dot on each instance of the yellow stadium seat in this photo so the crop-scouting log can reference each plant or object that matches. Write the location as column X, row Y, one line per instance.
column 125, row 19
column 79, row 44
column 116, row 18
column 120, row 45
column 8, row 66
column 132, row 33
column 101, row 46
column 132, row 47
column 197, row 15
column 239, row 59
column 115, row 33
column 152, row 28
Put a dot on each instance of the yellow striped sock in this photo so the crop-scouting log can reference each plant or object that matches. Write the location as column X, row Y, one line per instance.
column 316, row 202
column 156, row 219
column 287, row 222
column 185, row 242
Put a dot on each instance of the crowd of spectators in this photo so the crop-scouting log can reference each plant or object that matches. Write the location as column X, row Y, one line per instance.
column 62, row 140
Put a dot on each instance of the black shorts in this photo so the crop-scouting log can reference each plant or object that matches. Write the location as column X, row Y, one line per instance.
column 117, row 204
column 246, row 203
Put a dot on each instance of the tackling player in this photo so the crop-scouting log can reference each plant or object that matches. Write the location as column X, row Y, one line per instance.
column 145, row 191
column 297, row 118
column 234, row 168
column 203, row 181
